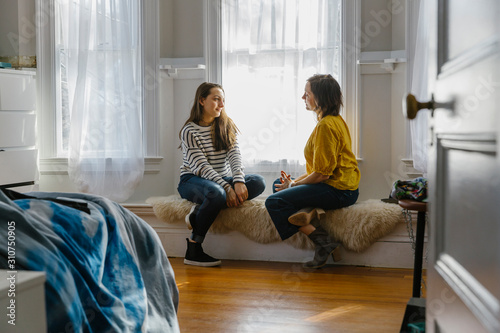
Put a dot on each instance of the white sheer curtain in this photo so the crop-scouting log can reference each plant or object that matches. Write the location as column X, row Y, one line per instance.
column 270, row 48
column 100, row 56
column 419, row 88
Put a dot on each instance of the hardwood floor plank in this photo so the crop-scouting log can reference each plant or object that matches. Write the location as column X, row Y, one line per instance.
column 268, row 297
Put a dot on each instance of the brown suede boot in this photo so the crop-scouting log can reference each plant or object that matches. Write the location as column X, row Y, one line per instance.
column 325, row 246
column 305, row 216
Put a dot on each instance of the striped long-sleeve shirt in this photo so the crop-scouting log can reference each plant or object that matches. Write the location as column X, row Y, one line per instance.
column 201, row 159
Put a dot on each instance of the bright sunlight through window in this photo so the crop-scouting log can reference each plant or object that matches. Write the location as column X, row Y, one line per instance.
column 269, row 49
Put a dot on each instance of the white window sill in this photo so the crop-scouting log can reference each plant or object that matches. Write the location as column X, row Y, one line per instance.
column 410, row 171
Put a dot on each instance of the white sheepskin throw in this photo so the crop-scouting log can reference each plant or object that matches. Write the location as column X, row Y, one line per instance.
column 356, row 227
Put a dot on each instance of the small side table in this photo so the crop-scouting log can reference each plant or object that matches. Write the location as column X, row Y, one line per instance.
column 421, row 208
column 415, row 309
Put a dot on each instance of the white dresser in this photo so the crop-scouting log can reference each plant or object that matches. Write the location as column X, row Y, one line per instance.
column 18, row 153
column 22, row 302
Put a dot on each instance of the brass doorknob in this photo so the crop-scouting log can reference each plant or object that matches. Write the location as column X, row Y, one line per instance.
column 411, row 106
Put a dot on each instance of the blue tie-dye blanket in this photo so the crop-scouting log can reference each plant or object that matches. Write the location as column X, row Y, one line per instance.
column 106, row 270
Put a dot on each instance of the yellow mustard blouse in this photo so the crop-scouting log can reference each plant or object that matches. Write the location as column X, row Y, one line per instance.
column 328, row 152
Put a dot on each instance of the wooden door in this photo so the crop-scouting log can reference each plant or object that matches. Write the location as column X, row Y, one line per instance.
column 464, row 170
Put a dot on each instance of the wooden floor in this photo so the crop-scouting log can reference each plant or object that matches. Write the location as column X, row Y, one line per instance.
column 265, row 297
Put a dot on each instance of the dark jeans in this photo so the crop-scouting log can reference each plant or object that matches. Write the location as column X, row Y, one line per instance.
column 212, row 198
column 285, row 203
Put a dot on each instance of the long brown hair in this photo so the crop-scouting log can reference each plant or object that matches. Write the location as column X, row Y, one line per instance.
column 223, row 128
column 327, row 93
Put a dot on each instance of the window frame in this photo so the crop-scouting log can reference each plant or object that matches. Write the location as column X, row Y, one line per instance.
column 350, row 74
column 50, row 162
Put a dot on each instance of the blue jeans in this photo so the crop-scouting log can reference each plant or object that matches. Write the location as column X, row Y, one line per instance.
column 212, row 198
column 281, row 205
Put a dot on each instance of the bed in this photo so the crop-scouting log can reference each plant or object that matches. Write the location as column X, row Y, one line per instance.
column 106, row 270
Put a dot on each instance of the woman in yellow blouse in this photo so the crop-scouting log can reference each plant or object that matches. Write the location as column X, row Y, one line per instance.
column 332, row 175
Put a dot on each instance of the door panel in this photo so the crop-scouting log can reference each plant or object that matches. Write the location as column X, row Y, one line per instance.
column 464, row 211
column 466, row 231
column 464, row 168
column 461, row 37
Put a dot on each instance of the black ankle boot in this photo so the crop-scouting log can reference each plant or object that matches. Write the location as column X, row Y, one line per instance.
column 195, row 256
column 325, row 245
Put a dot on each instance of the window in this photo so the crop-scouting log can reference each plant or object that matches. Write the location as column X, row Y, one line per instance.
column 52, row 61
column 266, row 51
column 104, row 42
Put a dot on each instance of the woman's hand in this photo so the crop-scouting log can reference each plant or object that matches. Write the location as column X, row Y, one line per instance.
column 231, row 198
column 286, row 182
column 241, row 192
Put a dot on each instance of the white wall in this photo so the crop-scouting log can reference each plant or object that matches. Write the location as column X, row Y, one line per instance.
column 9, row 26
column 383, row 128
column 17, row 28
column 181, row 25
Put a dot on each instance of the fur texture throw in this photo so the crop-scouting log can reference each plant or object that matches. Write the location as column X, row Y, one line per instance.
column 356, row 227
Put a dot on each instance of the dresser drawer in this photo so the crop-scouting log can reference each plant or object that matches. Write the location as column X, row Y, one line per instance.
column 17, row 129
column 18, row 166
column 17, row 91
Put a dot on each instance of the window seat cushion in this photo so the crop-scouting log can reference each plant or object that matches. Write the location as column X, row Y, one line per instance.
column 356, row 227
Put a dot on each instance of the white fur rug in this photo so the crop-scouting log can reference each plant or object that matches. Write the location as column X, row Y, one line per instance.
column 356, row 227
